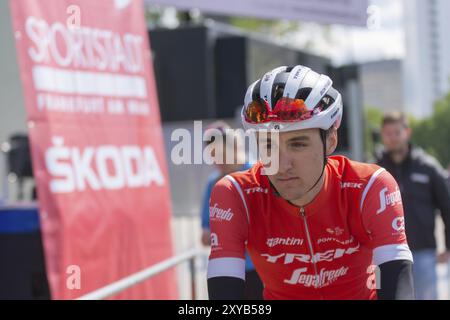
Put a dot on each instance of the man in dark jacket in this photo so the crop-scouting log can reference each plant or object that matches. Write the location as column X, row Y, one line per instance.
column 424, row 188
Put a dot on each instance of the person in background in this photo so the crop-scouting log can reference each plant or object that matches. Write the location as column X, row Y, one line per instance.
column 254, row 286
column 424, row 188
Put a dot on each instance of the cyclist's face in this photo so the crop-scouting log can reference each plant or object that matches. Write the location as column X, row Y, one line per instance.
column 300, row 162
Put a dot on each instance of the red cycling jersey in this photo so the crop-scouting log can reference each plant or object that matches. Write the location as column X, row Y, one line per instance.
column 324, row 250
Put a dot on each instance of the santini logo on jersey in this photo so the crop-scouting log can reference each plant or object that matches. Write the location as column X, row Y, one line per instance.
column 390, row 199
column 220, row 214
column 273, row 242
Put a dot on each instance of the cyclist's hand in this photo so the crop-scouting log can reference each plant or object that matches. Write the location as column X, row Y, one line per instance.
column 206, row 238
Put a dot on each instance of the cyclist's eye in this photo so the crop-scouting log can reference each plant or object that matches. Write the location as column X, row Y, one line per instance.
column 299, row 145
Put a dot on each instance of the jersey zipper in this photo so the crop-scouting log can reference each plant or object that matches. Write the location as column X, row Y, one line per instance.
column 308, row 236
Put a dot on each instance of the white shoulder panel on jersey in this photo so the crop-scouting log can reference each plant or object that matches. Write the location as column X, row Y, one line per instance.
column 369, row 185
column 239, row 189
column 226, row 267
column 391, row 252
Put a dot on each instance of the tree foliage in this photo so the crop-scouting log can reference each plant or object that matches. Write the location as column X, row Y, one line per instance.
column 433, row 133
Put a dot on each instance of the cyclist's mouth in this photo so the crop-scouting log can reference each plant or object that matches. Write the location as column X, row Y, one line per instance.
column 287, row 179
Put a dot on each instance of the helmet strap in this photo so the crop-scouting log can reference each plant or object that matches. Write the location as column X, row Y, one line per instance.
column 323, row 137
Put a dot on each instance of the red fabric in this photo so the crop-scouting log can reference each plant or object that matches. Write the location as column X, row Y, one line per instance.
column 102, row 180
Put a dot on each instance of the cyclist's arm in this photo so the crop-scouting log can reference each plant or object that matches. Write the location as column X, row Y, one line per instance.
column 396, row 280
column 382, row 217
column 228, row 223
column 205, row 203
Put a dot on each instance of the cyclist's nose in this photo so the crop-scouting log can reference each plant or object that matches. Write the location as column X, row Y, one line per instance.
column 285, row 162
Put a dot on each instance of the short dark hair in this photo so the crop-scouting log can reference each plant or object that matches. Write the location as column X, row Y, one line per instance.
column 329, row 131
column 395, row 117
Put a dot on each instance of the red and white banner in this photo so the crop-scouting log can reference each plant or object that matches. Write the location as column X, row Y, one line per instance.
column 97, row 144
column 350, row 12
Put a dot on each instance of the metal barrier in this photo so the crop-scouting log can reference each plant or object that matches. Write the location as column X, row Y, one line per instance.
column 145, row 274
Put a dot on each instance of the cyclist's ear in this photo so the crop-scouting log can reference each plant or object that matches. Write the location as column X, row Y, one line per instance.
column 332, row 141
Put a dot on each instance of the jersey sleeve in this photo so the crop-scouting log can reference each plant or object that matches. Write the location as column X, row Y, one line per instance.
column 229, row 230
column 383, row 219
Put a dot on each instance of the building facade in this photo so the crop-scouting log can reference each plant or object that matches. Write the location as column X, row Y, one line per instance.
column 427, row 60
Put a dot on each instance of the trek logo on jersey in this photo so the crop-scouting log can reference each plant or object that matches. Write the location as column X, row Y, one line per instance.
column 398, row 224
column 390, row 199
column 323, row 279
column 256, row 190
column 219, row 214
column 273, row 242
column 351, row 185
column 329, row 256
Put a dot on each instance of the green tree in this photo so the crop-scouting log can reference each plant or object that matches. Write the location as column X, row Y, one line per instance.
column 373, row 117
column 272, row 27
column 299, row 34
column 283, row 31
column 433, row 133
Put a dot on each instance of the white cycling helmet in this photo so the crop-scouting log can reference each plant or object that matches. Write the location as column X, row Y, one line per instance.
column 292, row 98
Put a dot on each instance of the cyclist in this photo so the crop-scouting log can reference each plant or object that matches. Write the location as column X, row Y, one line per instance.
column 317, row 227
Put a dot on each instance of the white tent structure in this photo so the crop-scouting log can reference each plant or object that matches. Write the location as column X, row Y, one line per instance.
column 350, row 12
